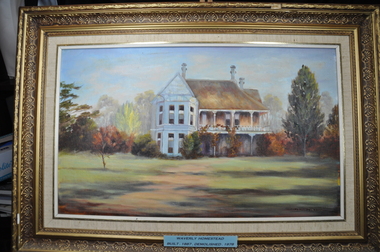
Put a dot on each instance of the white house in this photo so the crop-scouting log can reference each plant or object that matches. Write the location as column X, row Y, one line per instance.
column 185, row 105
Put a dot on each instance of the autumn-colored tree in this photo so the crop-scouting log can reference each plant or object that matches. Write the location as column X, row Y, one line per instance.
column 233, row 142
column 109, row 140
column 272, row 144
column 263, row 143
column 209, row 137
column 329, row 144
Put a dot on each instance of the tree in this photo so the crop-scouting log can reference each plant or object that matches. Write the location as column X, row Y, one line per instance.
column 127, row 119
column 332, row 128
column 143, row 107
column 274, row 104
column 145, row 146
column 209, row 138
column 109, row 140
column 191, row 146
column 233, row 141
column 304, row 119
column 329, row 145
column 107, row 107
column 326, row 104
column 76, row 123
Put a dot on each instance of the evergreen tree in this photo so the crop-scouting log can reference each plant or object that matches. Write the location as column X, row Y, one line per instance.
column 304, row 119
column 76, row 124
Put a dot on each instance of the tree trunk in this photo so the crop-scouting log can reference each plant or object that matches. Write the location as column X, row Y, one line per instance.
column 104, row 161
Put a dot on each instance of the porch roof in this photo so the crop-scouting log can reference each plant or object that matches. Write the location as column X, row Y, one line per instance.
column 224, row 94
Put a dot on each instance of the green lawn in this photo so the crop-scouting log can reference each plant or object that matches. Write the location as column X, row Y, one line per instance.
column 205, row 187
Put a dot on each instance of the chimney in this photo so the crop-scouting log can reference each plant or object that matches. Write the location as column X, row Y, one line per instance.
column 233, row 72
column 241, row 83
column 183, row 68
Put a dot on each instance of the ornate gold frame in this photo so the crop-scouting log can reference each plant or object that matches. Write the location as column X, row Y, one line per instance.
column 360, row 24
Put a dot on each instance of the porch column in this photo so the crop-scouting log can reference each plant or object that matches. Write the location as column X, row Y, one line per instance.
column 251, row 119
column 232, row 118
column 214, row 113
column 251, row 149
column 199, row 119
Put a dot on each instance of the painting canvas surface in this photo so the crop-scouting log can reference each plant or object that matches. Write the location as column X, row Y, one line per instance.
column 205, row 131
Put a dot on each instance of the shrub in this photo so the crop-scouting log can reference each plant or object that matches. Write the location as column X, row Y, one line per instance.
column 191, row 146
column 145, row 146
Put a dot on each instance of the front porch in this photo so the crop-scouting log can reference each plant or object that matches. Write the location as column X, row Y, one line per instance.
column 243, row 121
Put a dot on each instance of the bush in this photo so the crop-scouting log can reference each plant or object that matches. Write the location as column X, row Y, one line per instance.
column 191, row 146
column 274, row 144
column 145, row 146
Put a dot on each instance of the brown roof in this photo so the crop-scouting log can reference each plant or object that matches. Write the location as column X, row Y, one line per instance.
column 223, row 94
column 254, row 93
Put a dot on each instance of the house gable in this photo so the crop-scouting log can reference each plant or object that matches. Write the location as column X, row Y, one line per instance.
column 177, row 89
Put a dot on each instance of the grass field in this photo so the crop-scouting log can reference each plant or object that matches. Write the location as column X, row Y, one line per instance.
column 206, row 187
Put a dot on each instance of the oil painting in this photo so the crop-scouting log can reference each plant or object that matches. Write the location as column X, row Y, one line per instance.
column 199, row 131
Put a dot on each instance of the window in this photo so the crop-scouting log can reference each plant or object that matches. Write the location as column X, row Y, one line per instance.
column 160, row 115
column 160, row 119
column 237, row 120
column 171, row 143
column 159, row 136
column 191, row 115
column 180, row 141
column 171, row 118
column 204, row 118
column 228, row 119
column 171, row 114
column 181, row 114
column 181, row 119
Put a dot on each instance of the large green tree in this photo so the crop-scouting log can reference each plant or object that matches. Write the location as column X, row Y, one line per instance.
column 304, row 119
column 76, row 124
column 143, row 106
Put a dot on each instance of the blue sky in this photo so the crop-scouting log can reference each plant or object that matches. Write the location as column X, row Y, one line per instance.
column 123, row 72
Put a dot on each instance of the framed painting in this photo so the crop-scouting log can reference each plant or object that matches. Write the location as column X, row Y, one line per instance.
column 136, row 121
